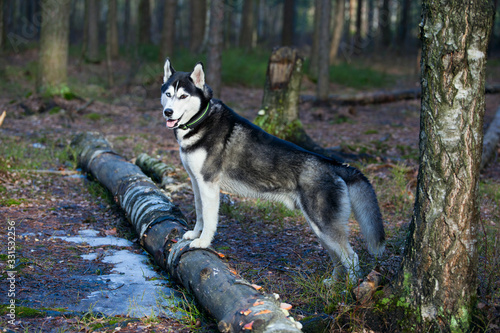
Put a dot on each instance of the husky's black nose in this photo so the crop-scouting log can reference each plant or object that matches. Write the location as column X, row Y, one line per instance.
column 168, row 112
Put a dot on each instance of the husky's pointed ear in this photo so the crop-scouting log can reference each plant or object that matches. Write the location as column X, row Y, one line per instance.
column 198, row 76
column 168, row 70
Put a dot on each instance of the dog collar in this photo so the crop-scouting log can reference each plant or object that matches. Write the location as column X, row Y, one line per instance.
column 192, row 124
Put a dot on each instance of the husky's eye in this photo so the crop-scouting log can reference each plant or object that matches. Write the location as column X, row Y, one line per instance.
column 183, row 96
column 168, row 95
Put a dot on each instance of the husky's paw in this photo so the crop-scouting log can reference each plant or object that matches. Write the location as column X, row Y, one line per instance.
column 191, row 235
column 200, row 243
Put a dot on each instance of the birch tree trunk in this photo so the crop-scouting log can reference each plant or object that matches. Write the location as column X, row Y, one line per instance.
column 231, row 300
column 438, row 280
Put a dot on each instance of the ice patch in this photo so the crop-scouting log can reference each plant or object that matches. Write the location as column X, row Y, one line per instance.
column 89, row 236
column 132, row 289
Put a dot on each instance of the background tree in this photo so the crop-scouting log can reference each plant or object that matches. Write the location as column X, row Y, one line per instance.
column 112, row 30
column 403, row 23
column 323, row 85
column 384, row 24
column 2, row 27
column 313, row 64
column 288, row 23
column 168, row 30
column 198, row 19
column 92, row 30
column 439, row 270
column 144, row 22
column 338, row 29
column 247, row 25
column 215, row 43
column 54, row 43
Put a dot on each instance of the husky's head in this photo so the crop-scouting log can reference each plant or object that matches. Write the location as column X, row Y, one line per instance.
column 184, row 95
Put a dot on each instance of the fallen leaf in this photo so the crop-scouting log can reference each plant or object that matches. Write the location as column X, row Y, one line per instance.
column 248, row 326
column 221, row 255
column 258, row 303
column 263, row 312
column 110, row 232
column 246, row 312
column 286, row 306
column 256, row 287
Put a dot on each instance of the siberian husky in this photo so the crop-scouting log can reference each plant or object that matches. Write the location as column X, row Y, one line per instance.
column 221, row 150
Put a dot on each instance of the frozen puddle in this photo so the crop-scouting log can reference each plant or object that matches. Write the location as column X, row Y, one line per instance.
column 133, row 288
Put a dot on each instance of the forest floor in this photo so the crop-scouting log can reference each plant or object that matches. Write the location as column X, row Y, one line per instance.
column 42, row 196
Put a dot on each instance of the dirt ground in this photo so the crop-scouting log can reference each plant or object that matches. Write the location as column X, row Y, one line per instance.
column 277, row 254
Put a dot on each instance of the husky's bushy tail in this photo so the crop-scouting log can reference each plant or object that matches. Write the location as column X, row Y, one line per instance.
column 365, row 207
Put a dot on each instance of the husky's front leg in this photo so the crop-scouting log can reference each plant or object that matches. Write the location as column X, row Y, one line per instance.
column 198, row 227
column 209, row 199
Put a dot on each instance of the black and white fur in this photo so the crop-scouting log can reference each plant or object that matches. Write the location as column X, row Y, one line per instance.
column 222, row 150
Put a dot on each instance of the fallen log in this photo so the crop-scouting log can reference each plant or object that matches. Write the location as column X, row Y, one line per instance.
column 233, row 302
column 379, row 97
column 490, row 141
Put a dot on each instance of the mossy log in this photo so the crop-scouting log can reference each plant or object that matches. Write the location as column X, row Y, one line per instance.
column 155, row 169
column 233, row 302
column 380, row 97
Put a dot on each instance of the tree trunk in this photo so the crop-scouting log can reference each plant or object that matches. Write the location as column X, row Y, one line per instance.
column 288, row 23
column 385, row 24
column 2, row 28
column 215, row 42
column 323, row 84
column 279, row 114
column 247, row 25
column 198, row 19
column 313, row 64
column 359, row 12
column 338, row 29
column 168, row 31
column 491, row 140
column 112, row 30
column 403, row 23
column 233, row 302
column 144, row 22
column 92, row 31
column 54, row 42
column 438, row 279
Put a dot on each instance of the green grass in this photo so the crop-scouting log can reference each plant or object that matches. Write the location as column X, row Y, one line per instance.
column 353, row 76
column 19, row 154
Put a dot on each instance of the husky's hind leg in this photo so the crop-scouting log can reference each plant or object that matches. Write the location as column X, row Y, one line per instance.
column 327, row 209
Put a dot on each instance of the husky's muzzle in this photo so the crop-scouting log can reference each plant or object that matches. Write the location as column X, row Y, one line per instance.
column 171, row 123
